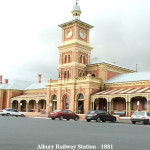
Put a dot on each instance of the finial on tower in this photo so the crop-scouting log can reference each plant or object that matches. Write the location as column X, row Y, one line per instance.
column 77, row 2
column 76, row 11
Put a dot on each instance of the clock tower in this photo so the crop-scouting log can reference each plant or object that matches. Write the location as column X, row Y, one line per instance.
column 74, row 49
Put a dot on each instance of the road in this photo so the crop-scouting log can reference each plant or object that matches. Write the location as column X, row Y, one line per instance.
column 18, row 133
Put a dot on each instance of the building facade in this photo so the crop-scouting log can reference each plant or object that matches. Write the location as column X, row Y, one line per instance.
column 81, row 85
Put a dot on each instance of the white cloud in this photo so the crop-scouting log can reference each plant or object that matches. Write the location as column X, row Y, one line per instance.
column 29, row 34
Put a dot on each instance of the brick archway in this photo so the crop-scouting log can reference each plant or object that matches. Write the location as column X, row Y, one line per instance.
column 100, row 103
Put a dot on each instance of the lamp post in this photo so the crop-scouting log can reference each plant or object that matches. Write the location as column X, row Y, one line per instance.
column 138, row 105
column 20, row 106
column 50, row 106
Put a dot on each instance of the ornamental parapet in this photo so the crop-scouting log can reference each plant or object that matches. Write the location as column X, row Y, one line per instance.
column 75, row 42
column 129, row 84
column 88, row 79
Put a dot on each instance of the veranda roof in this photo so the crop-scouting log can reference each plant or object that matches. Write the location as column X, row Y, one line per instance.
column 124, row 91
column 30, row 96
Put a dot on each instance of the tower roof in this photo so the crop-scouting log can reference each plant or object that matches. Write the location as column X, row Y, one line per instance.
column 76, row 11
column 76, row 21
column 76, row 8
column 76, row 18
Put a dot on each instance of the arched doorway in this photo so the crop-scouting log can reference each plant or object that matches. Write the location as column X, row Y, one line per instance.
column 138, row 103
column 100, row 103
column 54, row 102
column 41, row 105
column 80, row 103
column 15, row 104
column 23, row 105
column 32, row 105
column 65, row 102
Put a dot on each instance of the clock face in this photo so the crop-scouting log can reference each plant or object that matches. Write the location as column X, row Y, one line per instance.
column 82, row 34
column 69, row 33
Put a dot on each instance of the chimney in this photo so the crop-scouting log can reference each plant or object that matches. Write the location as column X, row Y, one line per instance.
column 6, row 81
column 39, row 78
column 1, row 79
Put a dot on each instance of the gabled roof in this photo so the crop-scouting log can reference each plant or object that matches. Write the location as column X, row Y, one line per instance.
column 3, row 86
column 36, row 86
column 97, row 61
column 130, row 77
column 18, row 85
column 22, row 85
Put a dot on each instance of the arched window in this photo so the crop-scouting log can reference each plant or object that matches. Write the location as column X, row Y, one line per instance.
column 93, row 75
column 80, row 74
column 65, row 74
column 83, row 59
column 80, row 103
column 81, row 97
column 54, row 98
column 67, row 102
column 54, row 102
column 65, row 58
column 80, row 58
column 68, row 74
column 68, row 58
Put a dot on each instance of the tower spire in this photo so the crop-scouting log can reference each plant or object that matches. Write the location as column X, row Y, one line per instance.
column 76, row 11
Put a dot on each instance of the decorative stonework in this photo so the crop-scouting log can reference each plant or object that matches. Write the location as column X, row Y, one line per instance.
column 129, row 84
column 75, row 23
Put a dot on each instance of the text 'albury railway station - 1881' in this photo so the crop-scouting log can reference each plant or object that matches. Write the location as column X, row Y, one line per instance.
column 81, row 84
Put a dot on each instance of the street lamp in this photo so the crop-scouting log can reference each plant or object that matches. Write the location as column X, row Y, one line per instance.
column 138, row 104
column 20, row 106
column 50, row 104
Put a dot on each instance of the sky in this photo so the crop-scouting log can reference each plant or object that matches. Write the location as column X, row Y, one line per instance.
column 29, row 34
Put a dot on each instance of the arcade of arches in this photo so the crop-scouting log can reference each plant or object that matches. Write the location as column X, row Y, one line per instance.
column 30, row 106
column 38, row 105
column 128, row 104
column 112, row 103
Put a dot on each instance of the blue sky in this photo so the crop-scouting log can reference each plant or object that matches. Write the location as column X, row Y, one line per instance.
column 29, row 34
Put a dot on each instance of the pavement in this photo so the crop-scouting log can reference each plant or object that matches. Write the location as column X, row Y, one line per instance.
column 19, row 133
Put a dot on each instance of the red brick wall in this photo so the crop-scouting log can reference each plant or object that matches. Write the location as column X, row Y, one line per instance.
column 95, row 90
column 16, row 94
column 5, row 99
column 34, row 93
column 111, row 74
